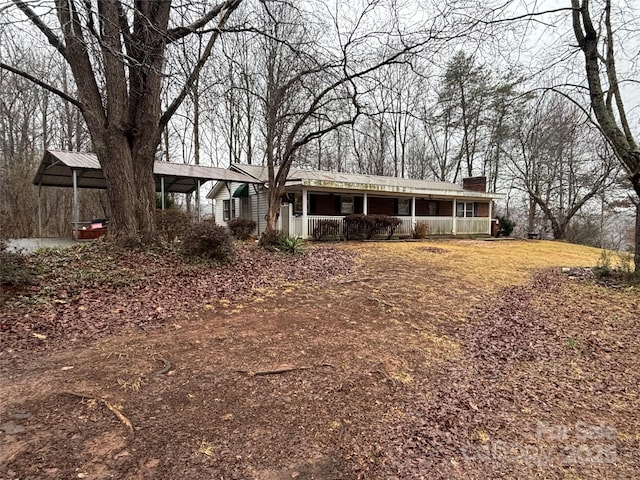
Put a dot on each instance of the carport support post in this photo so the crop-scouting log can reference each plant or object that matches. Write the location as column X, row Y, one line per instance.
column 162, row 192
column 75, row 204
column 40, row 209
column 198, row 198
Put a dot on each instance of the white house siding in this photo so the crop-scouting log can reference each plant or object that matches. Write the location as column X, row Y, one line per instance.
column 257, row 204
column 225, row 194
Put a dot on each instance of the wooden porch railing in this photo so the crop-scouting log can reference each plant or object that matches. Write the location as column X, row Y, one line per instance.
column 437, row 225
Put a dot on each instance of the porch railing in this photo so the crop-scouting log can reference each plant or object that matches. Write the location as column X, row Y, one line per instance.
column 473, row 226
column 437, row 225
column 314, row 222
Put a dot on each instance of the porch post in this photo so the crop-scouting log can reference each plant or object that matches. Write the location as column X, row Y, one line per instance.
column 365, row 204
column 305, row 222
column 490, row 216
column 75, row 203
column 292, row 223
column 455, row 217
column 162, row 191
column 413, row 212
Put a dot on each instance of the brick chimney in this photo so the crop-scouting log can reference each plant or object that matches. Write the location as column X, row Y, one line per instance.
column 476, row 184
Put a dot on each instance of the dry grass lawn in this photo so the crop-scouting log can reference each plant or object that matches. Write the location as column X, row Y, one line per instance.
column 435, row 359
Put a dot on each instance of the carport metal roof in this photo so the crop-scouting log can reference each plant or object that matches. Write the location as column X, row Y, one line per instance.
column 57, row 167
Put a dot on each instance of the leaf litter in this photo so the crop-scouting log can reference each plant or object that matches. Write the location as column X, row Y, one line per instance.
column 465, row 366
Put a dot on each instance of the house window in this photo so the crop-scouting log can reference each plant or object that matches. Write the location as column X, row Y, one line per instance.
column 432, row 208
column 404, row 206
column 346, row 205
column 297, row 203
column 466, row 209
column 228, row 209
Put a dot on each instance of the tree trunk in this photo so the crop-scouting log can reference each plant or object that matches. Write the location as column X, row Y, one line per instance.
column 273, row 211
column 130, row 191
column 559, row 230
column 145, row 207
column 531, row 220
column 636, row 255
column 117, row 167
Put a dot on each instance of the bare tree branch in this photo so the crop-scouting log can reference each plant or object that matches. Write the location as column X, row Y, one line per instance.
column 177, row 33
column 42, row 84
column 37, row 21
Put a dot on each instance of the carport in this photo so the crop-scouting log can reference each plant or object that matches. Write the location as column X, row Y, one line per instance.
column 82, row 170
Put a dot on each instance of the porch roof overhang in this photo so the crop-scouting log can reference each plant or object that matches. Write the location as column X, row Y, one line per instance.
column 57, row 167
column 361, row 183
column 356, row 183
column 382, row 189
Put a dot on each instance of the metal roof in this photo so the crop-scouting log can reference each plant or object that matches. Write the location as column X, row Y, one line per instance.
column 261, row 173
column 319, row 179
column 56, row 169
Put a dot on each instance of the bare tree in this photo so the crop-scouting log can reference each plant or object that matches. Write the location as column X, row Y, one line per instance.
column 558, row 162
column 116, row 52
column 597, row 42
column 311, row 88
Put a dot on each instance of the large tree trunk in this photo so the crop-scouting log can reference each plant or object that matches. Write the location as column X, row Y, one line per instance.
column 276, row 192
column 636, row 256
column 145, row 206
column 130, row 191
column 273, row 211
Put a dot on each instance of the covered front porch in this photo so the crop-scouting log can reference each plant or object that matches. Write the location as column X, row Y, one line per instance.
column 306, row 210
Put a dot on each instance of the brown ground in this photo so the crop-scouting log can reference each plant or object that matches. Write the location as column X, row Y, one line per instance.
column 421, row 360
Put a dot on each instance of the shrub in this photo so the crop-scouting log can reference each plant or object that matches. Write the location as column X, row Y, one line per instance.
column 325, row 229
column 173, row 224
column 506, row 226
column 241, row 228
column 355, row 227
column 389, row 224
column 421, row 230
column 208, row 240
column 271, row 239
column 604, row 265
column 614, row 264
column 625, row 263
column 359, row 226
column 13, row 269
column 290, row 245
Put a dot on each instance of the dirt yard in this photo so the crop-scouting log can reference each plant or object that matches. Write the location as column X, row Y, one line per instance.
column 425, row 360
